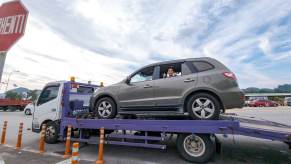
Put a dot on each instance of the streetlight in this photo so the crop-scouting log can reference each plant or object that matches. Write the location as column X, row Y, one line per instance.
column 9, row 78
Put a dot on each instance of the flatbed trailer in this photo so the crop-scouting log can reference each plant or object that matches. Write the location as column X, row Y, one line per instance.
column 196, row 139
column 13, row 104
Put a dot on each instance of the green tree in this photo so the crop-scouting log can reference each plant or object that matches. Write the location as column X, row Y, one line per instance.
column 32, row 94
column 286, row 88
column 12, row 95
column 252, row 90
column 266, row 90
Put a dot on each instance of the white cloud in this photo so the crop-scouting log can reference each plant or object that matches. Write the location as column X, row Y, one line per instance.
column 102, row 40
column 44, row 56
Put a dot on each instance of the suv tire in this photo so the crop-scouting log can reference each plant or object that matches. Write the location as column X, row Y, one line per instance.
column 203, row 106
column 105, row 108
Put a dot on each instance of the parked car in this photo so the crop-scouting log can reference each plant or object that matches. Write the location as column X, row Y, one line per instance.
column 198, row 87
column 263, row 103
column 287, row 101
column 29, row 109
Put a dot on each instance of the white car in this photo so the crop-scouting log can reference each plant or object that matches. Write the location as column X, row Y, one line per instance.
column 287, row 101
column 28, row 110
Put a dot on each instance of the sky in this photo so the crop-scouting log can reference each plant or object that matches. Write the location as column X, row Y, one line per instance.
column 106, row 40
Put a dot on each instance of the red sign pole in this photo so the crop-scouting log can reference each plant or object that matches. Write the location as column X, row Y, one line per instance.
column 13, row 17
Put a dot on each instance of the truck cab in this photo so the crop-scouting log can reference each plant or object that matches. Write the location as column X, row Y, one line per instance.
column 48, row 107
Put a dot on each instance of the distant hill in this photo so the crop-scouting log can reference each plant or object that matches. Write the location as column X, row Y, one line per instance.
column 285, row 88
column 19, row 90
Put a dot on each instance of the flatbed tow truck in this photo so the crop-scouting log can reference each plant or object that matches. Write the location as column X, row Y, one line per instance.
column 196, row 139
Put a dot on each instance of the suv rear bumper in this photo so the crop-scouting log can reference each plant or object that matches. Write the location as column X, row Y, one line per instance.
column 233, row 99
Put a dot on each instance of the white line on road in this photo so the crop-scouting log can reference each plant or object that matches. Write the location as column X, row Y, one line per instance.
column 68, row 161
column 1, row 160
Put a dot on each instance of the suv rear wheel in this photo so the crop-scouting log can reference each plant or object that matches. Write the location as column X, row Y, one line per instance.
column 203, row 106
column 105, row 108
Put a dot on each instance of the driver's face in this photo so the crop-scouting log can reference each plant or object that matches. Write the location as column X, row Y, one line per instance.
column 170, row 71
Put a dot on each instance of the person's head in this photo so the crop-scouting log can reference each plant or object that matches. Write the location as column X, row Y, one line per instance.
column 171, row 71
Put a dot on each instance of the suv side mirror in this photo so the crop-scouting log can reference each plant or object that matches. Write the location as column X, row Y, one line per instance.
column 127, row 80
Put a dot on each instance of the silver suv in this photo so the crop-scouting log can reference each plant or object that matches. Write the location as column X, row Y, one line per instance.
column 201, row 88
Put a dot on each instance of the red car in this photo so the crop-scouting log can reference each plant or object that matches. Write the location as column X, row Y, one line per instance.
column 263, row 103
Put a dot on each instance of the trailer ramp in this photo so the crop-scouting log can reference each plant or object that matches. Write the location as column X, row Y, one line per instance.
column 261, row 128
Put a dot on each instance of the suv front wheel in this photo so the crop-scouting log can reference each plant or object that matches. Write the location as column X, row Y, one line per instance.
column 105, row 108
column 203, row 106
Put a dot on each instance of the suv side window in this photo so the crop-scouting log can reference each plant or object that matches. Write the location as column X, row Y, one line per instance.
column 185, row 69
column 202, row 66
column 165, row 67
column 143, row 75
column 49, row 93
column 180, row 69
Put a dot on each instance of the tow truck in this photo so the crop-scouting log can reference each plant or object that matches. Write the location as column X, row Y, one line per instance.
column 66, row 103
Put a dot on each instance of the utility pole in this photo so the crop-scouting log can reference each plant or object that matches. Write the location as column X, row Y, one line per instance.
column 2, row 62
column 9, row 79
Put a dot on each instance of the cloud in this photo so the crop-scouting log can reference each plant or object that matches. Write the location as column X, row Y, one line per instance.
column 107, row 40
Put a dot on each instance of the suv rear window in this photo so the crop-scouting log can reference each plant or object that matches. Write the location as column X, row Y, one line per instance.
column 202, row 66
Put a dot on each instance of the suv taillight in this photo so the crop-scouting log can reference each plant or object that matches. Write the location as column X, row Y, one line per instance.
column 229, row 75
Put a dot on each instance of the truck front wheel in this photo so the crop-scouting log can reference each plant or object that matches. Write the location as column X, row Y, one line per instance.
column 197, row 148
column 51, row 132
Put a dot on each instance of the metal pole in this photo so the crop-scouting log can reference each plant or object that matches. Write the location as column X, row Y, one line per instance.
column 8, row 81
column 2, row 62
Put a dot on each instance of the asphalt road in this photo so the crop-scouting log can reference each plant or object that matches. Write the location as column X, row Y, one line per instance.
column 235, row 149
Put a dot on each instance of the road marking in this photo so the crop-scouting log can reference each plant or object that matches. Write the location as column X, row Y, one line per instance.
column 1, row 160
column 67, row 161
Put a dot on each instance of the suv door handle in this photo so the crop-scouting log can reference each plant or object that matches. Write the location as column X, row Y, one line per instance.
column 53, row 110
column 189, row 80
column 147, row 86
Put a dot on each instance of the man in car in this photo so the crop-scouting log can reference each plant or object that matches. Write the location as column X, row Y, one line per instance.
column 171, row 72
